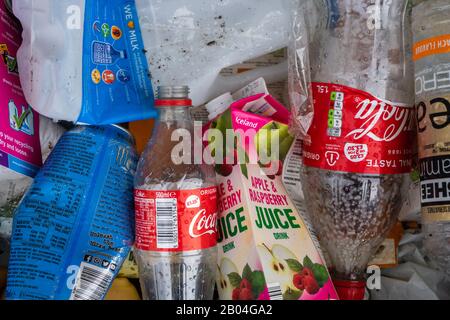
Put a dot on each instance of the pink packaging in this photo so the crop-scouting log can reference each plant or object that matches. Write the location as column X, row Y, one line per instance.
column 20, row 149
column 265, row 249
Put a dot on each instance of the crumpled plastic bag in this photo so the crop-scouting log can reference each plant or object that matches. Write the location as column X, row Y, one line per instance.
column 190, row 41
column 415, row 278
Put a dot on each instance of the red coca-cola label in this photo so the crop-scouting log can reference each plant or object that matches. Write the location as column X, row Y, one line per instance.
column 353, row 131
column 179, row 220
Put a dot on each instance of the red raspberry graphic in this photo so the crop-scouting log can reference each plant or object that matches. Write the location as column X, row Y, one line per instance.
column 245, row 284
column 307, row 272
column 236, row 293
column 298, row 281
column 246, row 294
column 311, row 285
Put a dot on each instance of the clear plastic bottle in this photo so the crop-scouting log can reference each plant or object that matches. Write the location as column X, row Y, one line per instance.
column 352, row 177
column 431, row 30
column 175, row 253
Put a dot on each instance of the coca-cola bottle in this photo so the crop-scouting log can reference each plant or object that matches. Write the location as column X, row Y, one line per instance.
column 176, row 211
column 360, row 143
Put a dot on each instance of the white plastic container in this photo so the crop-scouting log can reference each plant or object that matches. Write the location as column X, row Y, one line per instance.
column 187, row 42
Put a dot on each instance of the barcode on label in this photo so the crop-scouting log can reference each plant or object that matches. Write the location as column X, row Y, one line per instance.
column 166, row 223
column 275, row 291
column 92, row 283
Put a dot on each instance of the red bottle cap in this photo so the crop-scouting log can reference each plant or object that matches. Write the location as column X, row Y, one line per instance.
column 350, row 290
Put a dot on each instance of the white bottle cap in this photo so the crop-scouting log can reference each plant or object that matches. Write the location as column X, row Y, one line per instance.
column 219, row 105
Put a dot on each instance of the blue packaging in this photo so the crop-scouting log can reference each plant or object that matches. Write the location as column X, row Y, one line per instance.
column 75, row 226
column 116, row 76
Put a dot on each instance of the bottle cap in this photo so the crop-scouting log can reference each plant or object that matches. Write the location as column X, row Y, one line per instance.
column 219, row 105
column 350, row 290
column 173, row 96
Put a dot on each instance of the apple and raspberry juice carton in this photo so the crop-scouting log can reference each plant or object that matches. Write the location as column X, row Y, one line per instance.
column 265, row 249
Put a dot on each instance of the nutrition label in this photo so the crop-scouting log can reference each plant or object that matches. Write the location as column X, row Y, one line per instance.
column 116, row 75
column 70, row 222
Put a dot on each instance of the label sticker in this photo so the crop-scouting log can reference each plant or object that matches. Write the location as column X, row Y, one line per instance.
column 176, row 220
column 433, row 110
column 353, row 131
column 116, row 75
column 20, row 148
column 431, row 46
column 71, row 232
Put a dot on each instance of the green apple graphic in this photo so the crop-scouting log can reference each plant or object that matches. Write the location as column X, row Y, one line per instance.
column 277, row 269
column 223, row 282
column 263, row 141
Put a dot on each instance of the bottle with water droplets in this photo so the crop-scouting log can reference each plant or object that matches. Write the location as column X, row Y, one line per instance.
column 175, row 204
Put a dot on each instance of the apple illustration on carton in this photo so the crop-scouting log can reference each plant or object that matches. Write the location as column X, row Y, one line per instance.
column 276, row 268
column 225, row 269
column 273, row 132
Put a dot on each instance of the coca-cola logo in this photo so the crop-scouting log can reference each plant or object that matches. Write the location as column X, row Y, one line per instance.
column 202, row 224
column 383, row 122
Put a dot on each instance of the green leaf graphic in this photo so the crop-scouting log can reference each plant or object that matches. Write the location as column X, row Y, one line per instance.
column 247, row 273
column 320, row 273
column 308, row 263
column 294, row 265
column 235, row 279
column 258, row 283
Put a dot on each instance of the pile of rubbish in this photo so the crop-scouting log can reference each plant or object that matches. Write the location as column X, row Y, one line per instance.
column 198, row 150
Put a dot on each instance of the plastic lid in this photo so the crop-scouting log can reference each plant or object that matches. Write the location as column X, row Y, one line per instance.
column 173, row 92
column 173, row 96
column 350, row 290
column 219, row 105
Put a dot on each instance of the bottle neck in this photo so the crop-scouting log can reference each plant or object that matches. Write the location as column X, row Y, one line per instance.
column 174, row 114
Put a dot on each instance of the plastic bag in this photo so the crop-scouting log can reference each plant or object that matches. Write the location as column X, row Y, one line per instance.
column 191, row 41
column 414, row 278
column 85, row 66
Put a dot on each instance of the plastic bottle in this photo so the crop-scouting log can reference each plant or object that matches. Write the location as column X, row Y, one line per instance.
column 431, row 25
column 359, row 146
column 175, row 210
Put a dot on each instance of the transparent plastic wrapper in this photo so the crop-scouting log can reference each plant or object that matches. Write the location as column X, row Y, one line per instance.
column 303, row 23
column 431, row 55
column 73, row 229
column 414, row 278
column 191, row 41
column 358, row 147
column 84, row 60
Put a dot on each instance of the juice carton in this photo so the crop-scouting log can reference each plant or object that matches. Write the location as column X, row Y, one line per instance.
column 265, row 249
